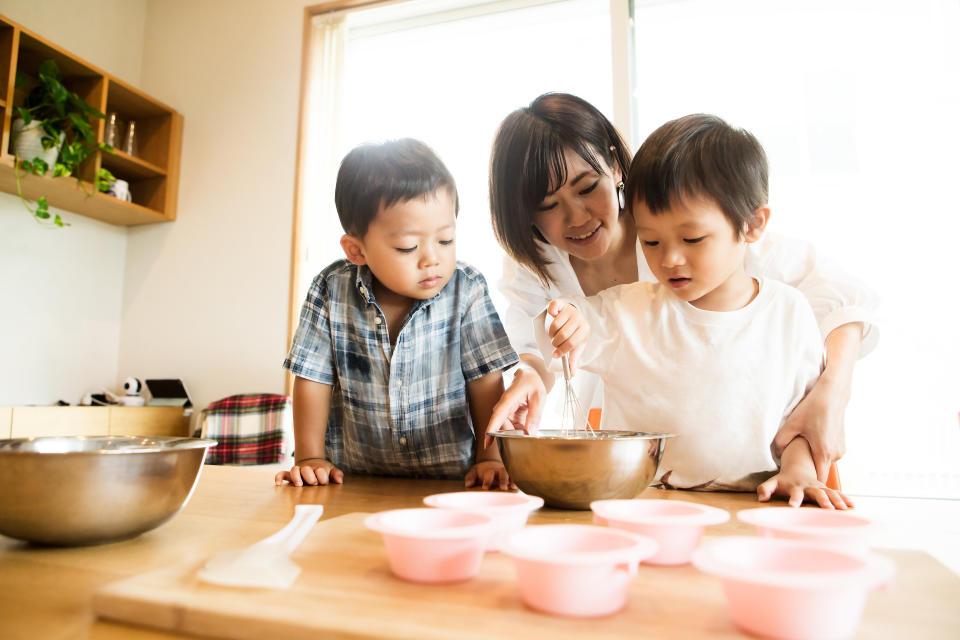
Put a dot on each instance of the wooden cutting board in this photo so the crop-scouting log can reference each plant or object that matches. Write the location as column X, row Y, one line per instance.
column 346, row 590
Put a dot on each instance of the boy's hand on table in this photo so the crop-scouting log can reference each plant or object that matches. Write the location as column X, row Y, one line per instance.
column 489, row 474
column 569, row 331
column 312, row 471
column 797, row 486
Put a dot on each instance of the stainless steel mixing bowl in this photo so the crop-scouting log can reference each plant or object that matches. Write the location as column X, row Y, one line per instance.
column 570, row 471
column 91, row 489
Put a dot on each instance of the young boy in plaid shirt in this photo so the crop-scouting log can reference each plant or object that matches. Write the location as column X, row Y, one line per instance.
column 399, row 352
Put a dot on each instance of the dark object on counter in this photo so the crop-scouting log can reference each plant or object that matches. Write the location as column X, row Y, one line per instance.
column 167, row 392
column 99, row 399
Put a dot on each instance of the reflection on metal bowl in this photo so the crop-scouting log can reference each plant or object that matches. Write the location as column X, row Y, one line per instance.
column 81, row 490
column 571, row 469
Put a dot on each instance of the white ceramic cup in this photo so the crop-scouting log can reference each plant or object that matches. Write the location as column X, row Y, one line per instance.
column 120, row 190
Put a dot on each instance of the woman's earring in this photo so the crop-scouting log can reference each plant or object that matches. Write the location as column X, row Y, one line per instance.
column 620, row 197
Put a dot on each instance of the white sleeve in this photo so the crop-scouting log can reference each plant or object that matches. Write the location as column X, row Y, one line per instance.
column 526, row 298
column 836, row 297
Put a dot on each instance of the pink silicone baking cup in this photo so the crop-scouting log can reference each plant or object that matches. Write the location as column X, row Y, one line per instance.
column 792, row 590
column 677, row 526
column 838, row 530
column 508, row 510
column 576, row 570
column 433, row 545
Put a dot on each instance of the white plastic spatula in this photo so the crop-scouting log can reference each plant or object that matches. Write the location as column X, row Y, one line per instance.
column 265, row 563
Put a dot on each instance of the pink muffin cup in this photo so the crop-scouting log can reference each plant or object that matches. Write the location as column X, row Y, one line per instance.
column 433, row 545
column 576, row 570
column 508, row 510
column 792, row 590
column 677, row 526
column 837, row 530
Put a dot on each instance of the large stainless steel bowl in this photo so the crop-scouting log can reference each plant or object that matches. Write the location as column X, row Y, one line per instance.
column 87, row 490
column 570, row 470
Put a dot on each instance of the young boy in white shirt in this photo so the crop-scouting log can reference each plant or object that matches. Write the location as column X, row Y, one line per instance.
column 707, row 352
column 399, row 350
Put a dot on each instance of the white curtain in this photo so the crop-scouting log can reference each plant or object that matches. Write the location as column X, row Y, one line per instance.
column 324, row 97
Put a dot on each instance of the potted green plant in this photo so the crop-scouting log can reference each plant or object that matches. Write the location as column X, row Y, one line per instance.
column 53, row 131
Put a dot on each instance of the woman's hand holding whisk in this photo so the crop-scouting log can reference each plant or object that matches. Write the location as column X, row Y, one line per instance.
column 569, row 331
column 521, row 405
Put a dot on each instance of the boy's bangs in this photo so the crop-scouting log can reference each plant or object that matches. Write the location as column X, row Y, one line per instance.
column 401, row 187
column 671, row 180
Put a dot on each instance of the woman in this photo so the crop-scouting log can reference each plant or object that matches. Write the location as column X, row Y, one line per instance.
column 556, row 196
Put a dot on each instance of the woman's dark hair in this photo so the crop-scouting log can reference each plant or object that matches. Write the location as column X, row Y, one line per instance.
column 527, row 163
column 378, row 175
column 700, row 156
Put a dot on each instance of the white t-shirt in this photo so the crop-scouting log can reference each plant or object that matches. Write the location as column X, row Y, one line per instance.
column 836, row 297
column 723, row 382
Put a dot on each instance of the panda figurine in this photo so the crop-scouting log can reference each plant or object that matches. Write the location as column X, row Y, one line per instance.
column 132, row 387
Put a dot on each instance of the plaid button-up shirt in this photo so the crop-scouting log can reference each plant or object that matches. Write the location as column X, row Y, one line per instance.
column 403, row 413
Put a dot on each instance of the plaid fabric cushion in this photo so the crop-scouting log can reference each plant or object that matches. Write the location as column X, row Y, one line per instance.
column 251, row 428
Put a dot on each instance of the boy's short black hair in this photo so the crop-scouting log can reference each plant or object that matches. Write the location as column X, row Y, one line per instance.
column 372, row 176
column 700, row 156
column 528, row 161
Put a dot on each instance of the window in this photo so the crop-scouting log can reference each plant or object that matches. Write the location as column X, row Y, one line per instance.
column 448, row 74
column 855, row 104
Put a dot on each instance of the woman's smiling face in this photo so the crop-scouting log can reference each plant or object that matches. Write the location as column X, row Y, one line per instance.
column 581, row 216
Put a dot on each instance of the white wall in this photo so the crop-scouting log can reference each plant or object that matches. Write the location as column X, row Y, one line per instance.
column 105, row 33
column 61, row 289
column 205, row 298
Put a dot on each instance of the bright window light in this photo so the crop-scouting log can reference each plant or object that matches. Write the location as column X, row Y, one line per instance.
column 856, row 104
column 448, row 74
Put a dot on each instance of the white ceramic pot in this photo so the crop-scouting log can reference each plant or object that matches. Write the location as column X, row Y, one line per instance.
column 28, row 143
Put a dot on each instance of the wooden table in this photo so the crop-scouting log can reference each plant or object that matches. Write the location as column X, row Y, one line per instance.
column 46, row 592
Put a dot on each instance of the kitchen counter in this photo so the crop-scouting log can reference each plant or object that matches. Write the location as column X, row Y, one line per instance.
column 46, row 592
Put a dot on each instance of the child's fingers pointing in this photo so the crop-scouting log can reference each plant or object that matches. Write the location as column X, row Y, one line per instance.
column 837, row 499
column 821, row 498
column 766, row 489
column 796, row 496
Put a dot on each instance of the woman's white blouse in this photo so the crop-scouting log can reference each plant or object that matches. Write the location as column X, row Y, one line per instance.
column 836, row 297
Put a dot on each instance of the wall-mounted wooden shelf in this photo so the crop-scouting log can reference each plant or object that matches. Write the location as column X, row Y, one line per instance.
column 153, row 173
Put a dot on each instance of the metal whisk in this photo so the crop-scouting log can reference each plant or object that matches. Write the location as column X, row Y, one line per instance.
column 572, row 411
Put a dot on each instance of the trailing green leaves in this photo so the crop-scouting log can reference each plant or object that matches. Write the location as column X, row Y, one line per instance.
column 104, row 179
column 64, row 119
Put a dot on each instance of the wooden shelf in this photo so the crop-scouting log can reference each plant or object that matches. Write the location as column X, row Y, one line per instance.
column 153, row 173
column 120, row 163
column 65, row 193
